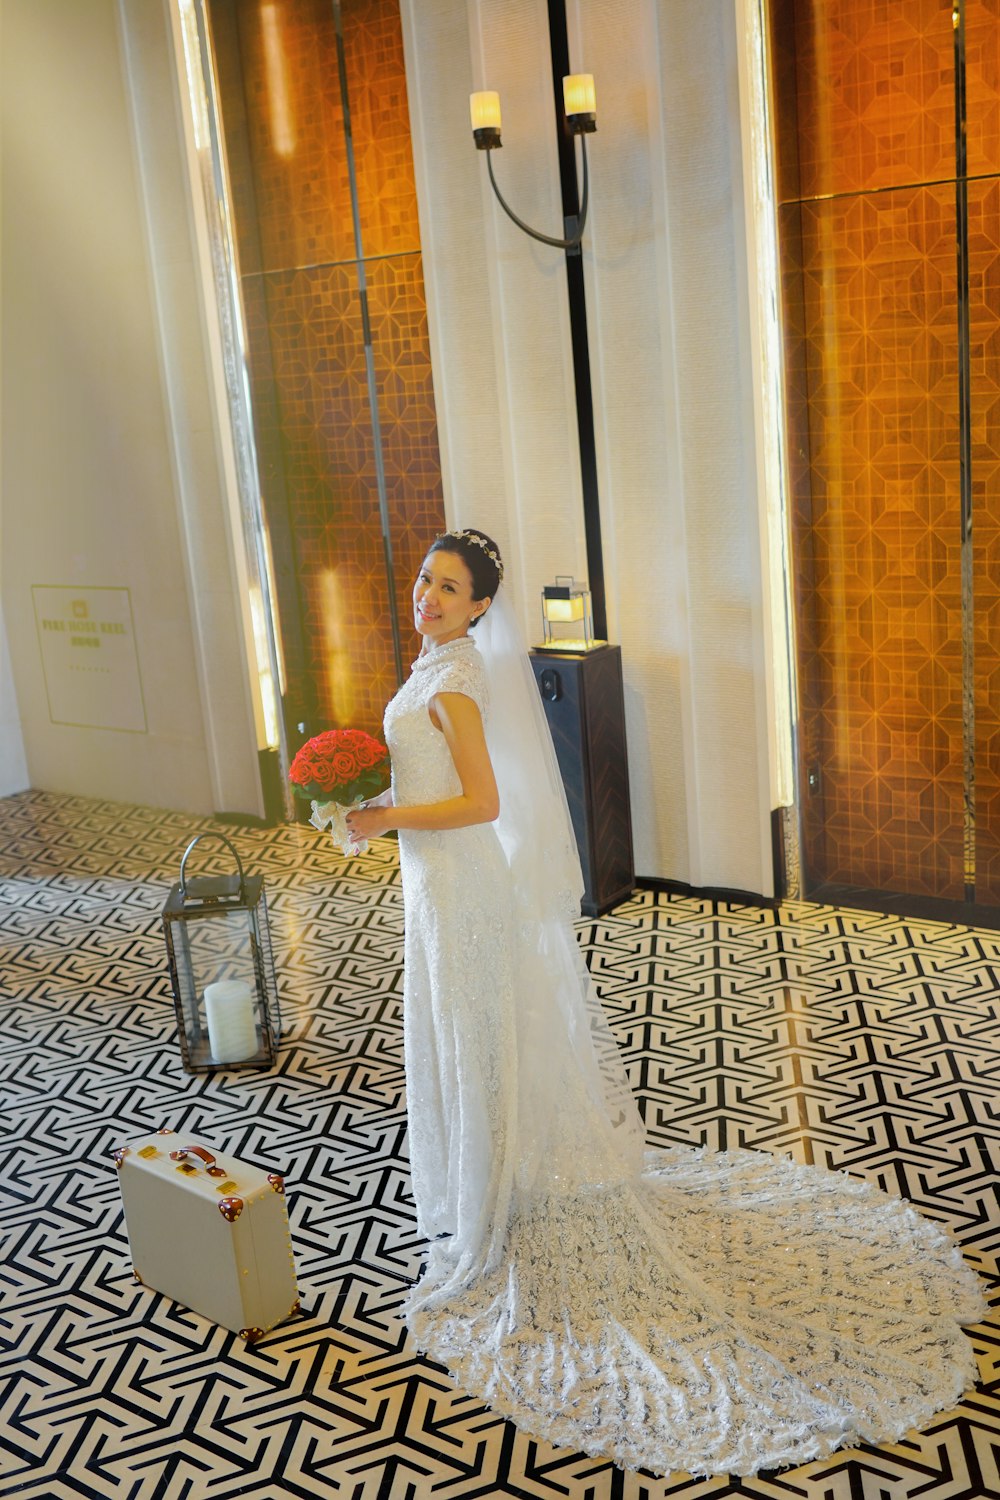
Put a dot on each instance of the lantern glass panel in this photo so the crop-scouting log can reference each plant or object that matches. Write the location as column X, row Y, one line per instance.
column 224, row 973
column 567, row 603
column 222, row 968
column 218, row 985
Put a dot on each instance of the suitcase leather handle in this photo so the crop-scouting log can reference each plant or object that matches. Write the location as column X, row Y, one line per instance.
column 205, row 1157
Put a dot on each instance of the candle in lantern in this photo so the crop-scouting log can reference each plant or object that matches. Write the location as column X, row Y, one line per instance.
column 232, row 1029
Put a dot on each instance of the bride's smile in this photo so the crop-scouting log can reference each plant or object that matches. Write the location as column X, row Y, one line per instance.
column 443, row 606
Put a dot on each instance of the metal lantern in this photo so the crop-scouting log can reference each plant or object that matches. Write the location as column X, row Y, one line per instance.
column 566, row 603
column 222, row 968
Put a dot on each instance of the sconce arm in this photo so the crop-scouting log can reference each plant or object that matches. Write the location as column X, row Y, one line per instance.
column 548, row 239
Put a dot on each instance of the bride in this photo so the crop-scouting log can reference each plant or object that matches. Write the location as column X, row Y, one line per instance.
column 672, row 1310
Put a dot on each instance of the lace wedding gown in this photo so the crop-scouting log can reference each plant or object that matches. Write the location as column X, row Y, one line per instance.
column 672, row 1310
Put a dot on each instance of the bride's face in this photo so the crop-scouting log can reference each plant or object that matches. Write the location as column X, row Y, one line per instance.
column 442, row 598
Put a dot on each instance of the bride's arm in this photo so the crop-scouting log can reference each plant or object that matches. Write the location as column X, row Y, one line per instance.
column 459, row 720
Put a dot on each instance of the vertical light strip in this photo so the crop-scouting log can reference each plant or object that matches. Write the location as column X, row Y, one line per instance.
column 770, row 393
column 965, row 463
column 279, row 103
column 383, row 497
column 233, row 338
column 195, row 81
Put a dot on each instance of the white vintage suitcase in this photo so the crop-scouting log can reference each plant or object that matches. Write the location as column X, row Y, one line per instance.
column 208, row 1231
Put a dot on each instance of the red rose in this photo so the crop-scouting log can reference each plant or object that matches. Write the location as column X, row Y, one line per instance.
column 301, row 768
column 323, row 775
column 344, row 767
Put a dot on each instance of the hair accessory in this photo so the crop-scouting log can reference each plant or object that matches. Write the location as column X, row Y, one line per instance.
column 473, row 536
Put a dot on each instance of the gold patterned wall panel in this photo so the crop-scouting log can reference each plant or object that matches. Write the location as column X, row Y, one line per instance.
column 984, row 340
column 295, row 124
column 376, row 86
column 318, row 364
column 864, row 99
column 875, row 93
column 982, row 88
column 879, row 576
column 782, row 32
column 409, row 423
column 286, row 97
column 283, row 120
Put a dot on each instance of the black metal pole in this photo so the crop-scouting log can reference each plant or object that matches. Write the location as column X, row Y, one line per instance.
column 965, row 463
column 559, row 46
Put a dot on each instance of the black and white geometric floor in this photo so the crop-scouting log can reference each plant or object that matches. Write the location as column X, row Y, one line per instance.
column 865, row 1042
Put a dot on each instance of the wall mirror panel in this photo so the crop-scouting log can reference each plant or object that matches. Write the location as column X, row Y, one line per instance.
column 886, row 118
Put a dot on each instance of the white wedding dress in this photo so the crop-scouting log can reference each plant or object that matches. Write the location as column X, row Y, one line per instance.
column 671, row 1310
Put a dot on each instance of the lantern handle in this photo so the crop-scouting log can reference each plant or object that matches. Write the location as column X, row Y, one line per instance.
column 213, row 835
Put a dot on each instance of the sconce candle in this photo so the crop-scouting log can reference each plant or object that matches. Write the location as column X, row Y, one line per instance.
column 580, row 99
column 484, row 108
column 581, row 118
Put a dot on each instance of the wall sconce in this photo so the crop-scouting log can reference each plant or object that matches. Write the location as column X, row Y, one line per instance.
column 580, row 103
column 567, row 602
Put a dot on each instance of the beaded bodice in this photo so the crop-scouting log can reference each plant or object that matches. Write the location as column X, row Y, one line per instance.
column 422, row 767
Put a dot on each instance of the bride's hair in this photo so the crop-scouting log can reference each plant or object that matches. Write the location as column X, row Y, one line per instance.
column 481, row 556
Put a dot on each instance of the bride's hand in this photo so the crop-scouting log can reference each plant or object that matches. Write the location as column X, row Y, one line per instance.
column 367, row 822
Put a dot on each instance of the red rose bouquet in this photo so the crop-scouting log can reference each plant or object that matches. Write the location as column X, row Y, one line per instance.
column 335, row 771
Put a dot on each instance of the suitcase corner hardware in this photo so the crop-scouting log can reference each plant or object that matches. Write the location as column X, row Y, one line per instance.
column 277, row 1182
column 251, row 1335
column 137, row 1278
column 230, row 1209
column 165, row 1130
column 119, row 1155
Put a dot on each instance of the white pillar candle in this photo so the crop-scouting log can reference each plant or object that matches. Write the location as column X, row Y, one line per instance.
column 232, row 1030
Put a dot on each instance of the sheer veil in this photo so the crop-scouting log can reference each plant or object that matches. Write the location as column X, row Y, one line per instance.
column 534, row 826
column 577, row 1119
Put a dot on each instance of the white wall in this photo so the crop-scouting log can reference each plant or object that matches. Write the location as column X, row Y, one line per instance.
column 499, row 323
column 89, row 482
column 667, row 297
column 13, row 765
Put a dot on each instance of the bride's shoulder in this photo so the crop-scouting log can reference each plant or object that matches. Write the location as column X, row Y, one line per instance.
column 458, row 671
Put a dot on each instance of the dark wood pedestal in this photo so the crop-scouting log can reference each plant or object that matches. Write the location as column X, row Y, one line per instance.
column 585, row 708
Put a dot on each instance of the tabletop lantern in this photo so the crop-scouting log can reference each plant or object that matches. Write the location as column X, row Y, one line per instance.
column 566, row 603
column 222, row 968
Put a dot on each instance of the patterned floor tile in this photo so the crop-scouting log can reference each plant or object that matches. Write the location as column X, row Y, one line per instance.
column 856, row 1040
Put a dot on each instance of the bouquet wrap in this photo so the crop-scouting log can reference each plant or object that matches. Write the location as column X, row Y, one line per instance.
column 333, row 815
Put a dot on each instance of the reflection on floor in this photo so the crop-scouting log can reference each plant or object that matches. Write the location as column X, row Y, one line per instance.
column 861, row 1041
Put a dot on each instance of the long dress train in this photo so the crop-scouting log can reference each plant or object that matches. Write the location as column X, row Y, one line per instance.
column 672, row 1310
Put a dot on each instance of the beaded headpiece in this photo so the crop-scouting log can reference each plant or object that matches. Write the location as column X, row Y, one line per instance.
column 473, row 536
